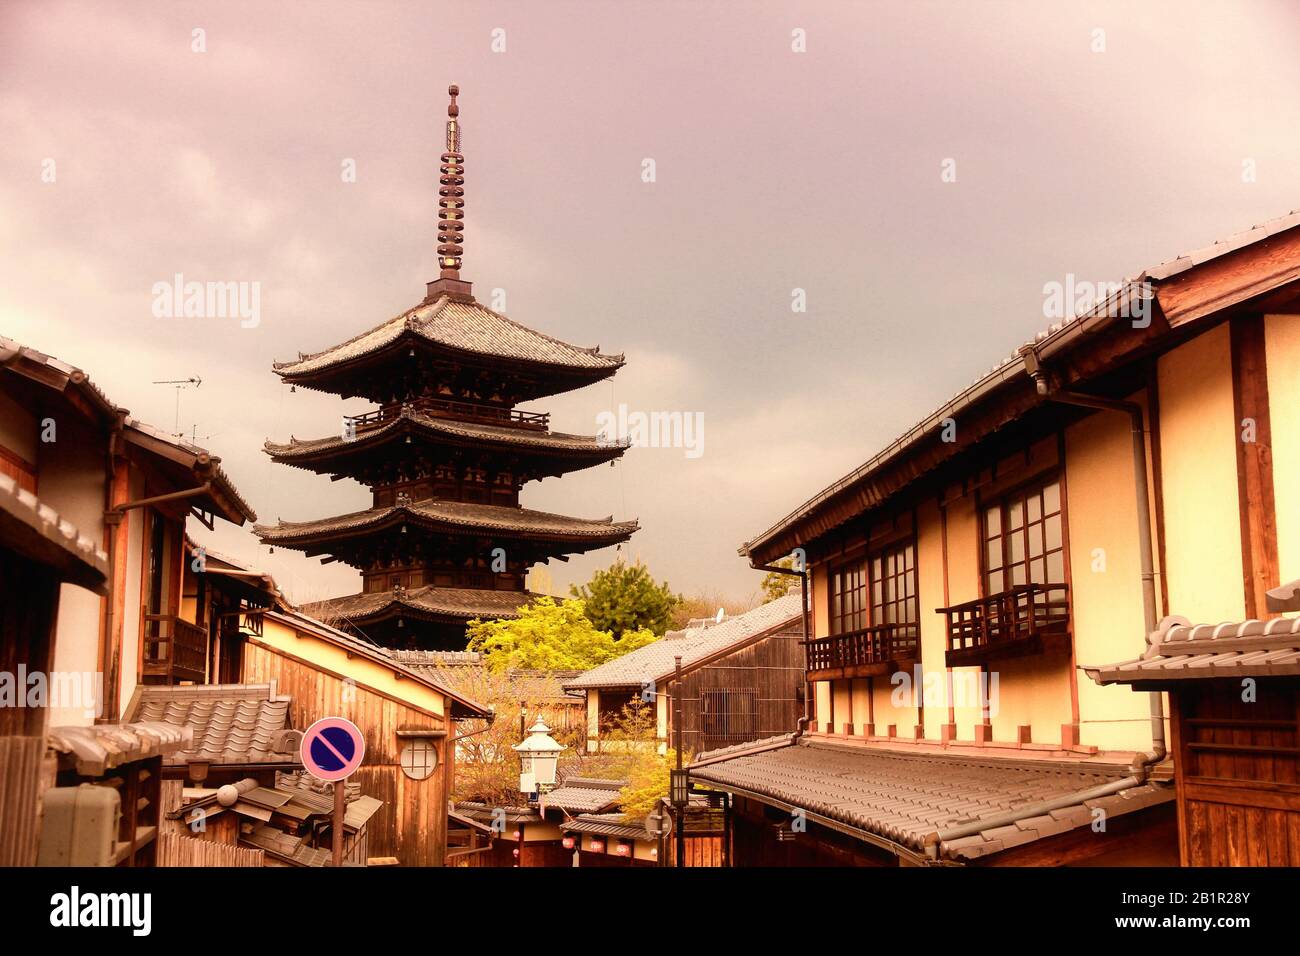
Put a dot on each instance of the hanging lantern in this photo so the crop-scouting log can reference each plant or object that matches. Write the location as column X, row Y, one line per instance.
column 596, row 845
column 623, row 849
column 567, row 842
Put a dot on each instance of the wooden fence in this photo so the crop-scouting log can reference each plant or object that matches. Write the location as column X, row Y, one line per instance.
column 20, row 771
column 176, row 850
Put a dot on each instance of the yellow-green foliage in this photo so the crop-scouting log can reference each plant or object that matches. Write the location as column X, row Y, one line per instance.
column 550, row 635
column 640, row 763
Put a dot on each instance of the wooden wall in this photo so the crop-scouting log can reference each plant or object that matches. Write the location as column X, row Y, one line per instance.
column 1238, row 785
column 773, row 668
column 412, row 823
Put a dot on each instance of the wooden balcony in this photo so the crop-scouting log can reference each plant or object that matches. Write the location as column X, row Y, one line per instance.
column 174, row 650
column 461, row 411
column 1027, row 620
column 869, row 652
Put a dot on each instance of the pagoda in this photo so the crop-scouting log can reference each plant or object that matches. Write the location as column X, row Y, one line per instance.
column 445, row 454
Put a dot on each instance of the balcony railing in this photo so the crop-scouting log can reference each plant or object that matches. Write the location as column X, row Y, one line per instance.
column 867, row 652
column 463, row 411
column 1027, row 619
column 174, row 650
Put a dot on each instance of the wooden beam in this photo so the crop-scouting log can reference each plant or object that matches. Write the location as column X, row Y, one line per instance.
column 1254, row 462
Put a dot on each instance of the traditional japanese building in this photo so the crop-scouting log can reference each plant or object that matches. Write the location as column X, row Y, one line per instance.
column 445, row 454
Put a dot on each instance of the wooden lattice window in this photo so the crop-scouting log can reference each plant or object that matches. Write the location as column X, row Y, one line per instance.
column 1024, row 539
column 893, row 587
column 848, row 598
column 419, row 758
column 728, row 715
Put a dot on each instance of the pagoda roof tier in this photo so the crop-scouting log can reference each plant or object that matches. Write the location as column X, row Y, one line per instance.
column 428, row 603
column 556, row 534
column 457, row 331
column 543, row 453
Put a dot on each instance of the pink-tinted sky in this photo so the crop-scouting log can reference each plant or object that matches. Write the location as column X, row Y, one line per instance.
column 776, row 170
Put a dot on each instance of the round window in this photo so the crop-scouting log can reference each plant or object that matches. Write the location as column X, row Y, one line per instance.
column 419, row 759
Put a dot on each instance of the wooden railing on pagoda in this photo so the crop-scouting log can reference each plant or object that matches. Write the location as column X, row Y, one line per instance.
column 867, row 652
column 462, row 411
column 1024, row 620
column 174, row 650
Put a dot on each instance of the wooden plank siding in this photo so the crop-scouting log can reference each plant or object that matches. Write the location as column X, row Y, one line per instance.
column 1239, row 773
column 412, row 823
column 772, row 669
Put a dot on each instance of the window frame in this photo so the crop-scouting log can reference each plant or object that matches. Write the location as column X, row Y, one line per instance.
column 836, row 616
column 869, row 610
column 1024, row 494
column 905, row 548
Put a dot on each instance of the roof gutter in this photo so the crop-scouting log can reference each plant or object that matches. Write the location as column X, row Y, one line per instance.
column 858, row 833
column 202, row 489
column 1146, row 550
column 935, row 841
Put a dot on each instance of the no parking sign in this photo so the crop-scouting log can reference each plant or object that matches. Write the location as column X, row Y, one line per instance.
column 332, row 748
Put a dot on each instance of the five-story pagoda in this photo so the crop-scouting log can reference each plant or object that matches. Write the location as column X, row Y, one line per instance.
column 445, row 454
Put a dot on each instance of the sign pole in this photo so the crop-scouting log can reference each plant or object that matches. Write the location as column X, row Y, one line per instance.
column 332, row 749
column 340, row 803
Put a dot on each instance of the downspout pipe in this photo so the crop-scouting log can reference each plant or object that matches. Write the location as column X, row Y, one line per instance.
column 934, row 842
column 802, row 726
column 1146, row 549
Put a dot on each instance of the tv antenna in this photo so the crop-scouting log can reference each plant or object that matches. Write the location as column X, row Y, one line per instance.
column 178, row 384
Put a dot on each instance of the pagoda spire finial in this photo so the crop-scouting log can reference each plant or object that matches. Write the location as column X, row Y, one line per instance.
column 451, row 195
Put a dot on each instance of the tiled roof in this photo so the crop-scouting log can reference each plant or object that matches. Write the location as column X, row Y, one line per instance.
column 200, row 458
column 1179, row 650
column 37, row 533
column 232, row 724
column 97, row 749
column 1013, row 365
column 656, row 661
column 584, row 795
column 504, row 436
column 286, row 847
column 463, row 326
column 451, row 516
column 467, row 603
column 605, row 824
column 911, row 799
column 476, row 810
column 528, row 684
column 302, row 789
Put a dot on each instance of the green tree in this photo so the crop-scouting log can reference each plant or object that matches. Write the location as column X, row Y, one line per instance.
column 640, row 763
column 550, row 635
column 777, row 585
column 624, row 598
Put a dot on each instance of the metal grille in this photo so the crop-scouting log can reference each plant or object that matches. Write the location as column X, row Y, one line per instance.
column 728, row 716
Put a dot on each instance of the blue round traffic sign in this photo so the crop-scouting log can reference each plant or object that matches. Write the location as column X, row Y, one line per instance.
column 332, row 748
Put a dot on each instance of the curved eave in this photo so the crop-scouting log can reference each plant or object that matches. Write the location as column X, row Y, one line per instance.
column 422, row 604
column 318, row 535
column 330, row 456
column 332, row 375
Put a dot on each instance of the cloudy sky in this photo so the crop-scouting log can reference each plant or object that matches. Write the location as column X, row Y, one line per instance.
column 1090, row 139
